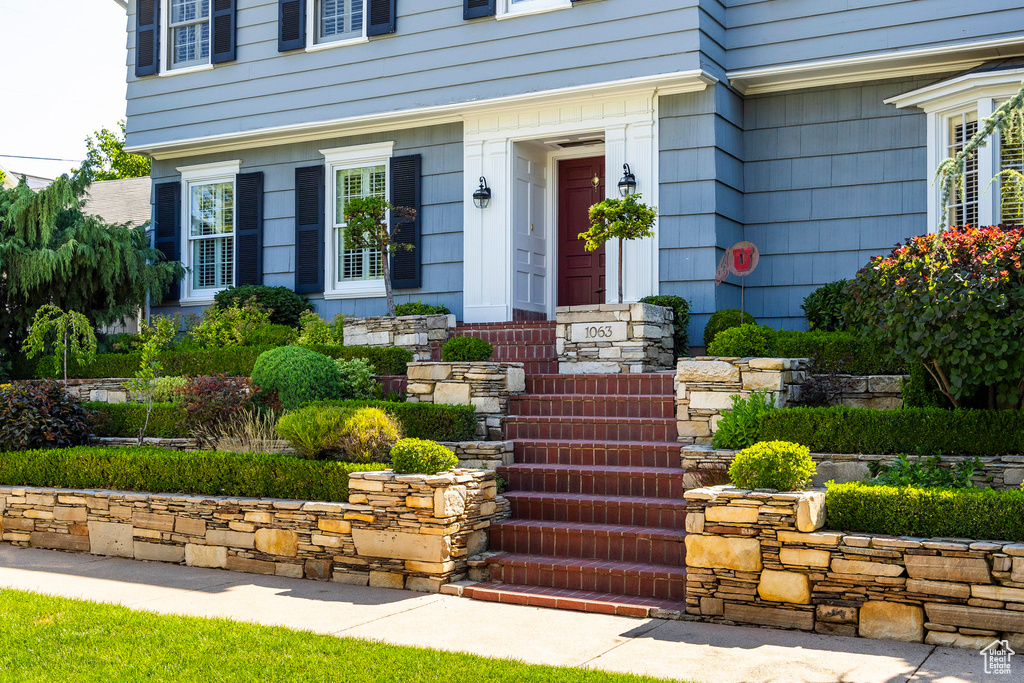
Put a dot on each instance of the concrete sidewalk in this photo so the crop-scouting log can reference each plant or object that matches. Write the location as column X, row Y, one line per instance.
column 667, row 649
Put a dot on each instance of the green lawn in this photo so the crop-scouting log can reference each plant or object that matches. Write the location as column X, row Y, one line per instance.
column 71, row 641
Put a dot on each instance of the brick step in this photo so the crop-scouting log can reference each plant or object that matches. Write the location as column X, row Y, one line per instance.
column 579, row 405
column 524, row 352
column 664, row 513
column 643, row 482
column 511, row 334
column 540, row 367
column 580, row 601
column 613, row 453
column 619, row 578
column 591, row 428
column 608, row 542
column 640, row 384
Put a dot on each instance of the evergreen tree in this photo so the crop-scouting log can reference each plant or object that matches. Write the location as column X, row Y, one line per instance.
column 108, row 159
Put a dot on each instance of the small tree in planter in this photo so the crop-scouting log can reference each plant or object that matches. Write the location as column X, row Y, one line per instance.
column 74, row 333
column 623, row 219
column 367, row 227
column 157, row 335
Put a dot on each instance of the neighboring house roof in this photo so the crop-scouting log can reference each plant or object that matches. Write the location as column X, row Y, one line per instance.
column 120, row 201
column 34, row 182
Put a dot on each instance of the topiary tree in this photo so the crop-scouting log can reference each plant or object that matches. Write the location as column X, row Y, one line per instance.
column 417, row 456
column 723, row 320
column 466, row 350
column 622, row 219
column 68, row 334
column 296, row 376
column 366, row 227
column 779, row 465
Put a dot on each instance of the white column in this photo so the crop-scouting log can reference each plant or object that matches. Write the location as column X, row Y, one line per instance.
column 642, row 255
column 988, row 162
column 487, row 235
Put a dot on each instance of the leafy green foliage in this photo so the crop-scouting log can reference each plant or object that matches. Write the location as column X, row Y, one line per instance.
column 211, row 402
column 723, row 320
column 824, row 307
column 315, row 430
column 777, row 465
column 420, row 308
column 743, row 341
column 105, row 154
column 284, row 305
column 921, row 391
column 368, row 435
column 165, row 471
column 925, row 471
column 317, row 332
column 272, row 335
column 416, row 456
column 622, row 219
column 41, row 415
column 436, row 422
column 155, row 336
column 125, row 420
column 740, row 426
column 295, row 376
column 680, row 322
column 466, row 350
column 953, row 302
column 357, row 380
column 234, row 325
column 69, row 335
column 367, row 227
column 926, row 512
column 888, row 432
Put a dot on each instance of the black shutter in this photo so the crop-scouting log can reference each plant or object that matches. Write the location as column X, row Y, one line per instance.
column 249, row 229
column 147, row 37
column 168, row 229
column 309, row 229
column 291, row 25
column 382, row 17
column 474, row 9
column 406, row 272
column 224, row 27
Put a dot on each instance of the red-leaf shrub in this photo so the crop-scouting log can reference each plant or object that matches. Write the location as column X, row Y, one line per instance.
column 212, row 401
column 41, row 415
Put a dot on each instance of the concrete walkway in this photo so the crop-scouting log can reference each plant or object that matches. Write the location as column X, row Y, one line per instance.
column 667, row 649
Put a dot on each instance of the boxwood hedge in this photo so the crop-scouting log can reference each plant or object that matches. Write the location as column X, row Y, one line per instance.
column 164, row 471
column 126, row 419
column 433, row 422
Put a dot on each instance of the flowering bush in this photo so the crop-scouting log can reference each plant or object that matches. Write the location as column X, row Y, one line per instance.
column 953, row 301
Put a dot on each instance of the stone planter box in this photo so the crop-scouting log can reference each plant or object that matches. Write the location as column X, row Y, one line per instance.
column 613, row 338
column 760, row 557
column 396, row 531
column 485, row 385
column 418, row 333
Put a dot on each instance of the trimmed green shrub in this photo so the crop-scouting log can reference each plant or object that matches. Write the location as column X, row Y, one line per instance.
column 41, row 415
column 318, row 332
column 386, row 360
column 466, row 350
column 165, row 389
column 416, row 456
column 367, row 435
column 680, row 322
column 126, row 420
column 926, row 512
column 357, row 380
column 315, row 430
column 295, row 376
column 743, row 341
column 823, row 307
column 435, row 422
column 925, row 471
column 272, row 335
column 921, row 391
column 285, row 306
column 420, row 308
column 723, row 320
column 164, row 471
column 888, row 432
column 773, row 465
column 740, row 426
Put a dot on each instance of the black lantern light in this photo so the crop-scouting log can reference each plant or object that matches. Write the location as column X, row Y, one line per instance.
column 627, row 185
column 482, row 196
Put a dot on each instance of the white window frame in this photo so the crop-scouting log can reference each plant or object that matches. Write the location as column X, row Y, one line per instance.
column 519, row 8
column 201, row 174
column 167, row 67
column 340, row 158
column 312, row 29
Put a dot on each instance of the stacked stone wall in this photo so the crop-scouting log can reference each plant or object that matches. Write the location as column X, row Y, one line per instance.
column 614, row 338
column 397, row 531
column 877, row 392
column 484, row 385
column 758, row 557
column 421, row 334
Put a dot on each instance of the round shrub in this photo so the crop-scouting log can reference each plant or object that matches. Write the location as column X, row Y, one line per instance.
column 466, row 350
column 416, row 456
column 314, row 431
column 723, row 320
column 41, row 415
column 680, row 322
column 779, row 465
column 295, row 376
column 285, row 306
column 744, row 341
column 823, row 307
column 420, row 308
column 368, row 435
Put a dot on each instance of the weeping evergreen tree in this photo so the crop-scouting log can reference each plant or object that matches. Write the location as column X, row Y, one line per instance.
column 51, row 252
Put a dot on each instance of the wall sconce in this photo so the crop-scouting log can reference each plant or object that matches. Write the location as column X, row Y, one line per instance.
column 482, row 196
column 627, row 185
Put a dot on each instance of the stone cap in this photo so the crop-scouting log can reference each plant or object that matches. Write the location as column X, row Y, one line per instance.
column 474, row 363
column 451, row 477
column 710, row 493
column 281, row 503
column 446, row 318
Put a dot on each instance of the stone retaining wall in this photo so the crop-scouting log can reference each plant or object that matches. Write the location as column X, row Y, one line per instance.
column 756, row 557
column 877, row 392
column 613, row 338
column 999, row 472
column 485, row 385
column 418, row 333
column 396, row 531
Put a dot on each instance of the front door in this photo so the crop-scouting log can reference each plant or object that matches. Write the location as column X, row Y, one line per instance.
column 530, row 234
column 581, row 277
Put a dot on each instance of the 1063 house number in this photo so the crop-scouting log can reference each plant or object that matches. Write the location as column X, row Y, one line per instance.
column 599, row 331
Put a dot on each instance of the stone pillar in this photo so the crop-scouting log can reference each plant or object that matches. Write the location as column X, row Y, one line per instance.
column 614, row 338
column 484, row 385
column 418, row 333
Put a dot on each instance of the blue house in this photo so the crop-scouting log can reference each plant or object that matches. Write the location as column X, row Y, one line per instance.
column 811, row 128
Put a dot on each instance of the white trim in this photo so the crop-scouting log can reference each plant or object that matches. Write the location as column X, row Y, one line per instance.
column 216, row 169
column 509, row 11
column 311, row 30
column 330, row 45
column 186, row 70
column 222, row 171
column 357, row 153
column 672, row 83
column 167, row 47
column 960, row 89
column 892, row 64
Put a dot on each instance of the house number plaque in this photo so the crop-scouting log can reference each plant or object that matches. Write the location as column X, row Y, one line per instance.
column 599, row 332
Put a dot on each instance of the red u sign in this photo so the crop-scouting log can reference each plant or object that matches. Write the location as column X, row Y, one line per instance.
column 743, row 258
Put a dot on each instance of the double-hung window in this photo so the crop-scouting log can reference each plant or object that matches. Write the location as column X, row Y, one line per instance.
column 208, row 212
column 353, row 172
column 516, row 7
column 335, row 22
column 188, row 29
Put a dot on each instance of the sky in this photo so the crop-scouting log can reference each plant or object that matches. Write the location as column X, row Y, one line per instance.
column 63, row 78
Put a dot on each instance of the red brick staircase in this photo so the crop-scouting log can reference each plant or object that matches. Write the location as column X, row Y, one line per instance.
column 596, row 495
column 530, row 343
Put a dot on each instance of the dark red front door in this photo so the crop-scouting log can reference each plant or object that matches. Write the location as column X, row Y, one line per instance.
column 580, row 272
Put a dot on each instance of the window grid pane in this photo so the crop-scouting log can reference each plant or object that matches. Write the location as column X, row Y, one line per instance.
column 963, row 210
column 211, row 231
column 190, row 32
column 340, row 19
column 350, row 183
column 1011, row 156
